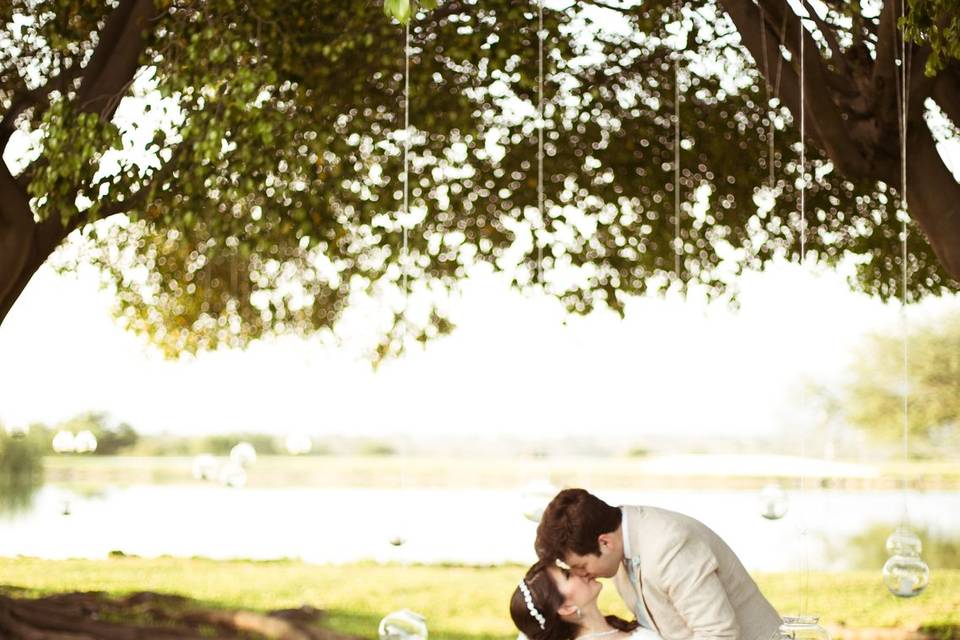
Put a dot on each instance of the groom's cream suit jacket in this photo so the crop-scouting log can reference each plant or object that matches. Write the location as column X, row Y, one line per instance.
column 687, row 582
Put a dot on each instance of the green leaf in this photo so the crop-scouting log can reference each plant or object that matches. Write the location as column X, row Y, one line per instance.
column 398, row 9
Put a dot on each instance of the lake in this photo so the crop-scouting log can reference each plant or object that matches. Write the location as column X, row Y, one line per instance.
column 483, row 526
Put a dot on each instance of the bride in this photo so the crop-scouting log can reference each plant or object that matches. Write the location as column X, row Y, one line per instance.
column 551, row 603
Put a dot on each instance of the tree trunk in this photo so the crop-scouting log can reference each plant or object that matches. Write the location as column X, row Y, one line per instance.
column 24, row 243
column 868, row 149
column 933, row 198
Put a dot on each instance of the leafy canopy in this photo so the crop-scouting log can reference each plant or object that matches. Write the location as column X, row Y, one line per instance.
column 260, row 175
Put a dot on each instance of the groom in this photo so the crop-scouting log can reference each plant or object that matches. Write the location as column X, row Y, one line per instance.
column 676, row 575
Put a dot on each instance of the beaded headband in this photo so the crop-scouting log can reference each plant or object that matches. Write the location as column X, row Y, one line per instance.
column 528, row 598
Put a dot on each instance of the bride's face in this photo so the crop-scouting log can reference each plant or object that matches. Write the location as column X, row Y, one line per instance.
column 576, row 591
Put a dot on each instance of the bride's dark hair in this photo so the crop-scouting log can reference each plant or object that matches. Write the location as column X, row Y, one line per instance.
column 547, row 599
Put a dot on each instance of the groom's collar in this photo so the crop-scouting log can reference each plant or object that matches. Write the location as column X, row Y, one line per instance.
column 627, row 553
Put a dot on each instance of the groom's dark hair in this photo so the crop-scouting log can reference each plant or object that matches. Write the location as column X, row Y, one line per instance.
column 573, row 521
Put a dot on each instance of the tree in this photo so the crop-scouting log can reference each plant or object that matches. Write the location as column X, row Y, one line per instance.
column 272, row 192
column 874, row 397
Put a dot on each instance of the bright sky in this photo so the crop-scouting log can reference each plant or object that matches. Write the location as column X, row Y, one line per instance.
column 510, row 366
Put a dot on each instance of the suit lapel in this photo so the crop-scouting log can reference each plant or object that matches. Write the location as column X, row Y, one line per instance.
column 633, row 540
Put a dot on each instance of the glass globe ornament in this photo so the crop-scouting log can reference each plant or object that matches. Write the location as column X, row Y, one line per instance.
column 403, row 625
column 243, row 454
column 801, row 628
column 535, row 497
column 299, row 444
column 233, row 475
column 205, row 467
column 85, row 442
column 906, row 576
column 773, row 502
column 63, row 442
column 397, row 540
column 903, row 542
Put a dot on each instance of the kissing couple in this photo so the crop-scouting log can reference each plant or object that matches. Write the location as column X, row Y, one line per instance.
column 680, row 580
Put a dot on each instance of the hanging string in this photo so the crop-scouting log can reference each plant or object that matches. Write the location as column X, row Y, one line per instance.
column 771, row 137
column 677, row 242
column 540, row 208
column 902, row 113
column 406, row 156
column 405, row 254
column 804, row 566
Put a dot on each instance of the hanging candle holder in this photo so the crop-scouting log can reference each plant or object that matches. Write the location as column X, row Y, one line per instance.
column 403, row 625
column 773, row 502
column 205, row 467
column 233, row 475
column 904, row 542
column 801, row 628
column 906, row 576
column 243, row 454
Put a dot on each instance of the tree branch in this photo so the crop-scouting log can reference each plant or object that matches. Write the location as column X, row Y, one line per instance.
column 830, row 128
column 934, row 198
column 15, row 222
column 27, row 98
column 116, row 57
column 885, row 67
column 827, row 30
column 946, row 91
column 45, row 237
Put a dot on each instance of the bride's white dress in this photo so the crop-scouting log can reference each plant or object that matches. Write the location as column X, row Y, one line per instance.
column 642, row 633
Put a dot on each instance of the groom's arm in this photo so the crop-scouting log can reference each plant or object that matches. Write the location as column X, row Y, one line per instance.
column 688, row 571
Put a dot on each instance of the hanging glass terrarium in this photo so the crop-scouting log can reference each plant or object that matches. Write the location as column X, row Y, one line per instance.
column 233, row 475
column 904, row 542
column 773, row 502
column 801, row 628
column 243, row 454
column 403, row 625
column 906, row 576
column 205, row 467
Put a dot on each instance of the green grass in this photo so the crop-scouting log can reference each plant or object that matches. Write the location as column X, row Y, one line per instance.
column 460, row 603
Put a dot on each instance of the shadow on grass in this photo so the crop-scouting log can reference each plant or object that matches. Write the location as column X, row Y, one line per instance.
column 942, row 631
column 366, row 625
column 153, row 608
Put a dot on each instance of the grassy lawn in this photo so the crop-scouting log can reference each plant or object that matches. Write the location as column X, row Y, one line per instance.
column 459, row 602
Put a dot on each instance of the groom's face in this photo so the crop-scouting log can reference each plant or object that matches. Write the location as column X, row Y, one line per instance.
column 604, row 565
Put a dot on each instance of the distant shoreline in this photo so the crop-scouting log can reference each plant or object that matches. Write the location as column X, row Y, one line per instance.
column 390, row 472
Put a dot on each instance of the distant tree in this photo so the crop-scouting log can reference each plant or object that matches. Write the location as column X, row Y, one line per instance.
column 874, row 398
column 112, row 437
column 221, row 444
column 867, row 550
column 21, row 469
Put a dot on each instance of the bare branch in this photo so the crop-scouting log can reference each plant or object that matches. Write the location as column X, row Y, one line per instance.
column 828, row 31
